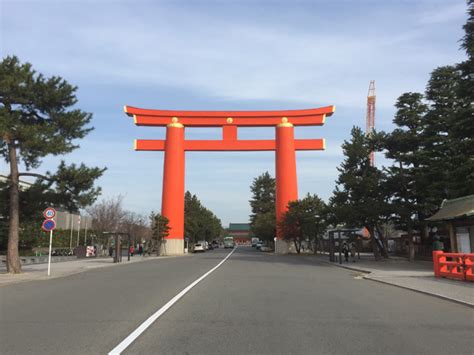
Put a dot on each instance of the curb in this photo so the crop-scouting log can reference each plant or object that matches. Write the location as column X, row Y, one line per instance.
column 437, row 295
column 367, row 277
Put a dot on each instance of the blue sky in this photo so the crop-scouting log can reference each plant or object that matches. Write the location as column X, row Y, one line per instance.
column 219, row 55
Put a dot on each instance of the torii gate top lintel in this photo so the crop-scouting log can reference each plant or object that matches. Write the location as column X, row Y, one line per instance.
column 306, row 117
column 229, row 121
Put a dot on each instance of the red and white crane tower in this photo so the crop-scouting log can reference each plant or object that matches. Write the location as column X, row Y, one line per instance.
column 370, row 119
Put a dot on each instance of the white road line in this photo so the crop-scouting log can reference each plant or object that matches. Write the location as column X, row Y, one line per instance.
column 137, row 332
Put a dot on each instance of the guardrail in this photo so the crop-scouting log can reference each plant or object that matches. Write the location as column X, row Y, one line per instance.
column 455, row 266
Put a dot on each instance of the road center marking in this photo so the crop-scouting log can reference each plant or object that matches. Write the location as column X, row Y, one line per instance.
column 144, row 326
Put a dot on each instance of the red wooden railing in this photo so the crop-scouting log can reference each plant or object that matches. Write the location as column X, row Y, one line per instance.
column 453, row 265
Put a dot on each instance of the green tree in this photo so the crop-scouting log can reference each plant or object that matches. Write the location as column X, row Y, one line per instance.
column 358, row 199
column 305, row 221
column 262, row 204
column 443, row 155
column 159, row 230
column 433, row 145
column 406, row 180
column 453, row 93
column 199, row 222
column 264, row 226
column 449, row 125
column 463, row 130
column 36, row 120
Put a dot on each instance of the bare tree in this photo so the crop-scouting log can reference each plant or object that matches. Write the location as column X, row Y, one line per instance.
column 107, row 216
column 136, row 226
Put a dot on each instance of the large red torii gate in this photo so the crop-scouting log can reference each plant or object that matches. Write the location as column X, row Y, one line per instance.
column 175, row 147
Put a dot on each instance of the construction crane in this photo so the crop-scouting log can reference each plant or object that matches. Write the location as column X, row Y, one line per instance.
column 370, row 119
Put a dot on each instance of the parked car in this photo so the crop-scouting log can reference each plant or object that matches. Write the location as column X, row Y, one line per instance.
column 199, row 247
column 204, row 244
column 215, row 244
column 259, row 245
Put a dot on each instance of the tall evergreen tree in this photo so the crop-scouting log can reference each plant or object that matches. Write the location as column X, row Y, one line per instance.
column 359, row 200
column 36, row 120
column 433, row 146
column 262, row 204
column 463, row 129
column 199, row 222
column 441, row 145
column 406, row 182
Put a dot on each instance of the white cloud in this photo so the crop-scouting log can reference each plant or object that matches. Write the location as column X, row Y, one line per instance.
column 228, row 58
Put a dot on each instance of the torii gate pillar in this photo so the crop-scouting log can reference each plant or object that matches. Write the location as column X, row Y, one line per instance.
column 172, row 205
column 286, row 180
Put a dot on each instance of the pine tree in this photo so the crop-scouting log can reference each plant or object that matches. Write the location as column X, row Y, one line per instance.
column 262, row 204
column 406, row 182
column 359, row 198
column 305, row 220
column 463, row 128
column 441, row 145
column 36, row 120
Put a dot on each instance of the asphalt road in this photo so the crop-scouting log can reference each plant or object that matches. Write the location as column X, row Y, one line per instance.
column 255, row 303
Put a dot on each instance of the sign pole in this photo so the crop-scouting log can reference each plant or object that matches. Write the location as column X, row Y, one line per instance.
column 78, row 228
column 50, row 247
column 85, row 234
column 70, row 238
column 48, row 225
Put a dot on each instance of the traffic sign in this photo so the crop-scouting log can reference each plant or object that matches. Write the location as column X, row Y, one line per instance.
column 48, row 225
column 49, row 213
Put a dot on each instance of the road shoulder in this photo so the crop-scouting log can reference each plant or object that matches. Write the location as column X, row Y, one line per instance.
column 418, row 279
column 38, row 272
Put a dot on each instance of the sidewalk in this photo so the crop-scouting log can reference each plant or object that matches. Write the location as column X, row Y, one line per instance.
column 416, row 276
column 33, row 272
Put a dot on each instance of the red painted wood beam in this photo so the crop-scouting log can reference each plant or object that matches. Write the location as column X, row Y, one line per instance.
column 229, row 145
column 307, row 117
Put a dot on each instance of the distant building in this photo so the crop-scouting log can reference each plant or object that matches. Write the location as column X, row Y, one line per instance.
column 240, row 232
column 458, row 214
column 23, row 184
column 74, row 221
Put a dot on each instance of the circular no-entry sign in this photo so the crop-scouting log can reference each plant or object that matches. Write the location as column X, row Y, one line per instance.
column 48, row 225
column 49, row 213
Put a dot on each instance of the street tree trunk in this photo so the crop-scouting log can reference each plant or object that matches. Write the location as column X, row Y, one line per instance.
column 384, row 243
column 297, row 245
column 373, row 243
column 411, row 245
column 13, row 257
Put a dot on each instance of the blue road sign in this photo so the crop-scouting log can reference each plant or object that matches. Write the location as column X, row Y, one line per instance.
column 48, row 225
